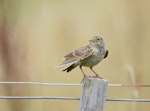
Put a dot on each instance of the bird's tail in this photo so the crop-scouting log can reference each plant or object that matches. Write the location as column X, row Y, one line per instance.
column 68, row 69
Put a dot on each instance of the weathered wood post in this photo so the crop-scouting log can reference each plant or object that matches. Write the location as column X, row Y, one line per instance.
column 93, row 95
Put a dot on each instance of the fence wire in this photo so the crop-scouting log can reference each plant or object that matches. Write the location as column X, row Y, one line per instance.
column 71, row 98
column 73, row 84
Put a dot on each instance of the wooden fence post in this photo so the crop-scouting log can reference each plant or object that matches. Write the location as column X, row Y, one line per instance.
column 93, row 95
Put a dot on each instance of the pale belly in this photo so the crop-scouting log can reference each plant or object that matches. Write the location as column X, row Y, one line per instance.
column 92, row 60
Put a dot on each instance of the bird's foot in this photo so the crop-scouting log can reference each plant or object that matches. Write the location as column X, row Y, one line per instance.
column 85, row 77
column 97, row 76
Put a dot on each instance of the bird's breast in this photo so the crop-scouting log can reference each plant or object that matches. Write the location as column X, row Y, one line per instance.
column 92, row 60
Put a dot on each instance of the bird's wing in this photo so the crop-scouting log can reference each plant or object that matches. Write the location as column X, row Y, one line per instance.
column 78, row 54
column 106, row 54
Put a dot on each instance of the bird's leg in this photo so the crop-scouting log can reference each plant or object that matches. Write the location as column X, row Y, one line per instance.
column 95, row 73
column 84, row 75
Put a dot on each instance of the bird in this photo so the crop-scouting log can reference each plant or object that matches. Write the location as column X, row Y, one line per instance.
column 87, row 56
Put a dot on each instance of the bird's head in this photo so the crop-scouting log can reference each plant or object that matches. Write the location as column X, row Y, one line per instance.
column 97, row 40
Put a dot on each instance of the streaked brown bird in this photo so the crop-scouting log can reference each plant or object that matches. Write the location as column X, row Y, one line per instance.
column 89, row 55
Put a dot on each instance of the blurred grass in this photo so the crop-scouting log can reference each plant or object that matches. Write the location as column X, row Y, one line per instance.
column 38, row 33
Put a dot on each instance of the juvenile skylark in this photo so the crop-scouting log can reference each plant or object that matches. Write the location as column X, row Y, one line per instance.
column 89, row 55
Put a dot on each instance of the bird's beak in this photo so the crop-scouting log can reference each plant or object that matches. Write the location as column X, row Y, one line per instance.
column 90, row 40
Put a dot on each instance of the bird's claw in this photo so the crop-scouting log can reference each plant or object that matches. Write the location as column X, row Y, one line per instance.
column 85, row 77
column 97, row 76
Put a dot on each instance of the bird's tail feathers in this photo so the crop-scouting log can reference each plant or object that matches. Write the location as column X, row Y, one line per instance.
column 67, row 62
column 68, row 69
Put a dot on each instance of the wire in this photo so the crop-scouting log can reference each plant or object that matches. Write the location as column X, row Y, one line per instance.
column 41, row 83
column 71, row 98
column 39, row 97
column 128, row 100
column 73, row 84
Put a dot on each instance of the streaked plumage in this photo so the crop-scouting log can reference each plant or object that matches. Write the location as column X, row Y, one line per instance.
column 89, row 55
